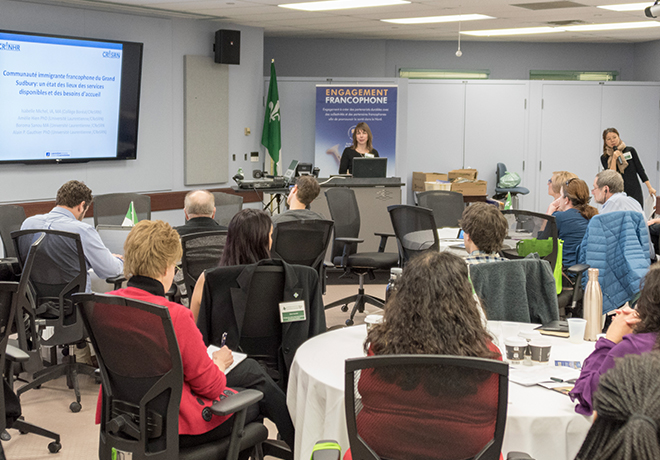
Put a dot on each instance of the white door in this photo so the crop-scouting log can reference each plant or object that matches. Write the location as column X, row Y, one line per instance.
column 495, row 129
column 570, row 134
column 436, row 112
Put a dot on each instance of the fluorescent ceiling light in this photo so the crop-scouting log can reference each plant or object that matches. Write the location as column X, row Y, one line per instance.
column 618, row 26
column 340, row 4
column 436, row 19
column 626, row 6
column 520, row 31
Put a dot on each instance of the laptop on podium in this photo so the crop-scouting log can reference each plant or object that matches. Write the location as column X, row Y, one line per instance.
column 369, row 167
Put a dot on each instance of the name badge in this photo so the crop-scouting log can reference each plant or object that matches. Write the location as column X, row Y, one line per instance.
column 627, row 155
column 291, row 312
column 369, row 155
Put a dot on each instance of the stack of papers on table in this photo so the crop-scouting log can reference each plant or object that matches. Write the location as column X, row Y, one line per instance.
column 544, row 375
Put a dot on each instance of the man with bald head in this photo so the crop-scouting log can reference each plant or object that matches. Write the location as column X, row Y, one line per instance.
column 199, row 208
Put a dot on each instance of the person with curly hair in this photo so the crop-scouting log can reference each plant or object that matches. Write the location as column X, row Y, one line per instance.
column 632, row 332
column 432, row 312
column 628, row 407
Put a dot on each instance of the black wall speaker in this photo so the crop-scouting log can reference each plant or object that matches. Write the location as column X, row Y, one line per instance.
column 227, row 46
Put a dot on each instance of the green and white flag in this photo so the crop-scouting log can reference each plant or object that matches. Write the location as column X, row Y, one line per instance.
column 272, row 137
column 131, row 217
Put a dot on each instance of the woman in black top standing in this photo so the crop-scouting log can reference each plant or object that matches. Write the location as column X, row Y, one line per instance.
column 361, row 148
column 617, row 157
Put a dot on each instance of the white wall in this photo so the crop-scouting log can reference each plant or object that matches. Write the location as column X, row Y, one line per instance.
column 647, row 61
column 511, row 61
column 159, row 166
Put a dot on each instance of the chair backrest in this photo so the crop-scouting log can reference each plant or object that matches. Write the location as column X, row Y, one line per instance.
column 524, row 225
column 11, row 218
column 516, row 290
column 111, row 208
column 302, row 242
column 201, row 251
column 53, row 268
column 425, row 406
column 8, row 290
column 345, row 213
column 415, row 230
column 142, row 376
column 501, row 171
column 226, row 207
column 243, row 300
column 447, row 206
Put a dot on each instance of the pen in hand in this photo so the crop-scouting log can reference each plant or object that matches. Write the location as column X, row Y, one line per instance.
column 224, row 339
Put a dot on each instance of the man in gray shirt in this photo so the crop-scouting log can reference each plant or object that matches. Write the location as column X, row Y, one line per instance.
column 305, row 191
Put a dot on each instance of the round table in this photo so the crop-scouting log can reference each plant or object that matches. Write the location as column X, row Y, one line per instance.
column 541, row 422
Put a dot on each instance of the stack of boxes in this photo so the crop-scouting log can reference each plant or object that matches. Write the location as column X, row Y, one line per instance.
column 458, row 180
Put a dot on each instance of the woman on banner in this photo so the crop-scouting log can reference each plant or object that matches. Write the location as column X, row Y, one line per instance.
column 361, row 148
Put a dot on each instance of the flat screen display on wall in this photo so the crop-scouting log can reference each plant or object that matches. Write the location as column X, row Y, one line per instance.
column 67, row 99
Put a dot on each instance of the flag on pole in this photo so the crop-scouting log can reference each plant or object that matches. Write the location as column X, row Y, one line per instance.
column 271, row 137
column 131, row 217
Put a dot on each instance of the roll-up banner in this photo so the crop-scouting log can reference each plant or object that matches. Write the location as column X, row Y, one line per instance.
column 339, row 108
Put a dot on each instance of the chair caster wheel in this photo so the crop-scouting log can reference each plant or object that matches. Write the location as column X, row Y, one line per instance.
column 75, row 407
column 54, row 447
column 349, row 322
column 5, row 436
column 344, row 308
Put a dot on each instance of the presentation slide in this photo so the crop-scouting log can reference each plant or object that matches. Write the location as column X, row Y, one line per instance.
column 60, row 98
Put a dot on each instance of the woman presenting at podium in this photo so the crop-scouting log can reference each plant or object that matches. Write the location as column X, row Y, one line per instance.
column 617, row 157
column 361, row 148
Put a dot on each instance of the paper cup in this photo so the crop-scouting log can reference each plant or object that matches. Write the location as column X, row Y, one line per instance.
column 370, row 320
column 515, row 349
column 540, row 350
column 576, row 328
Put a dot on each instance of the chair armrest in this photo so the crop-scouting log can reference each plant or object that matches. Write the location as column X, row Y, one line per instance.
column 116, row 281
column 349, row 240
column 518, row 456
column 383, row 240
column 16, row 354
column 236, row 402
column 326, row 450
column 577, row 268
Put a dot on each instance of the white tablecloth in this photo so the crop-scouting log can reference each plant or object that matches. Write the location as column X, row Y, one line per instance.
column 541, row 422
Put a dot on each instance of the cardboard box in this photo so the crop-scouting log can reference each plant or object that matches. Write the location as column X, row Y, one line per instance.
column 477, row 187
column 420, row 177
column 465, row 173
column 437, row 186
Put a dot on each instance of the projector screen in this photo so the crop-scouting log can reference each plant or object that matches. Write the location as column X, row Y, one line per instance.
column 68, row 99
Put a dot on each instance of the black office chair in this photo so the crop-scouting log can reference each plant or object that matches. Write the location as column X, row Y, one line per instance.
column 111, row 208
column 226, row 207
column 415, row 230
column 201, row 251
column 346, row 214
column 447, row 206
column 501, row 193
column 11, row 218
column 303, row 242
column 53, row 268
column 10, row 406
column 524, row 225
column 142, row 377
column 243, row 301
column 413, row 406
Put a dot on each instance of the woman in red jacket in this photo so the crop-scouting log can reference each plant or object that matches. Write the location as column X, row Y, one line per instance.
column 151, row 251
column 432, row 312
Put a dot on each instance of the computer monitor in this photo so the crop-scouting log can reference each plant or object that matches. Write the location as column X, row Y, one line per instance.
column 369, row 167
column 113, row 237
